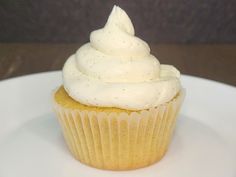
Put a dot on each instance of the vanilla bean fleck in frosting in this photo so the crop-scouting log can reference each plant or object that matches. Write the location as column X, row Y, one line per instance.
column 116, row 69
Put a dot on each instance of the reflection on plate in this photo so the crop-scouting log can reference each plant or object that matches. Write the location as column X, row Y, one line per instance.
column 31, row 143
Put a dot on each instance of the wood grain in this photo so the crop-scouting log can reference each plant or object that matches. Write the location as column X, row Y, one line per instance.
column 216, row 62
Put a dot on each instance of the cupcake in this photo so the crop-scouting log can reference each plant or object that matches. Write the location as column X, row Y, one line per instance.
column 118, row 105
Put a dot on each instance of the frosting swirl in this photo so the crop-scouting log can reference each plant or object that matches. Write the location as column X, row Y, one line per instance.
column 116, row 69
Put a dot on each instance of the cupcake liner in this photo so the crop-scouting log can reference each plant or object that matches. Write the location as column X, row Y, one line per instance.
column 119, row 141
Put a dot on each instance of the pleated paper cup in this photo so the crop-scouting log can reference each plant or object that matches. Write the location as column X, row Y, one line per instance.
column 119, row 140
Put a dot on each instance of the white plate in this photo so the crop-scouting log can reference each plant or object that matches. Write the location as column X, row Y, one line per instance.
column 31, row 143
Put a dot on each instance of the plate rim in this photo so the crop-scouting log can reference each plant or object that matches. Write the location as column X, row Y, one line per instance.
column 59, row 71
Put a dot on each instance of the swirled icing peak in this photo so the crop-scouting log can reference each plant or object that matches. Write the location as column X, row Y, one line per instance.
column 116, row 69
column 117, row 37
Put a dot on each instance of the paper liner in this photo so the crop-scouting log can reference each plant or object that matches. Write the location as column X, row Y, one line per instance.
column 119, row 141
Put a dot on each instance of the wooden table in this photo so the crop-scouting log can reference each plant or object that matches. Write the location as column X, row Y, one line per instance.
column 212, row 61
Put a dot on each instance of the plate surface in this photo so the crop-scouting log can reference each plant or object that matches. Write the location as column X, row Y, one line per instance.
column 31, row 142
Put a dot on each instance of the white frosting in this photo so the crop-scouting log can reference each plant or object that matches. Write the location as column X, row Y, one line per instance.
column 116, row 69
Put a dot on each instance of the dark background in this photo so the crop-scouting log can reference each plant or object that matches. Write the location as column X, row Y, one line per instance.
column 196, row 36
column 156, row 21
